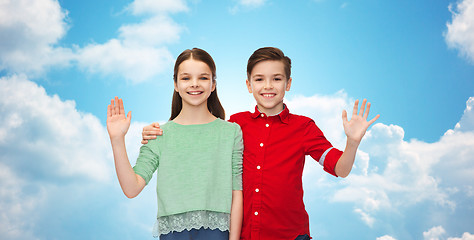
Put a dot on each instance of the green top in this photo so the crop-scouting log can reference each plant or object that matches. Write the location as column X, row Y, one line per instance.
column 197, row 166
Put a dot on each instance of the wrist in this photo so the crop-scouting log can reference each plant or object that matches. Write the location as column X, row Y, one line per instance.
column 352, row 143
column 117, row 139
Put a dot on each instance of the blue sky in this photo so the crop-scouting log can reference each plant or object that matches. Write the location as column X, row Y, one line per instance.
column 62, row 61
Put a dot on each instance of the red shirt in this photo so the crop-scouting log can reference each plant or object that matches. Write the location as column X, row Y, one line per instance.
column 274, row 154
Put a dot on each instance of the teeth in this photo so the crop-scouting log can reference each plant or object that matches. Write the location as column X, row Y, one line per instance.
column 268, row 95
column 194, row 93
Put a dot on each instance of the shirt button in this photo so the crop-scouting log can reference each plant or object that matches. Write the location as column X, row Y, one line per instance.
column 256, row 213
column 263, row 115
column 257, row 190
column 261, row 144
column 258, row 167
column 267, row 125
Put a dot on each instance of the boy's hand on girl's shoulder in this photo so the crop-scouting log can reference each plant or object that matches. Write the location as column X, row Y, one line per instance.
column 150, row 132
column 355, row 128
column 117, row 122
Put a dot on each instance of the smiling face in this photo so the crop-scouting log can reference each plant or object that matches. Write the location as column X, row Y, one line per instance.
column 268, row 84
column 194, row 83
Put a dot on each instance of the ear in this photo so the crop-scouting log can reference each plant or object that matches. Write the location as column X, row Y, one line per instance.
column 249, row 87
column 213, row 86
column 288, row 84
column 176, row 86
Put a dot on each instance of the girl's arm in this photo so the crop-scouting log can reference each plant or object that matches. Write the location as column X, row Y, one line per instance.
column 117, row 126
column 355, row 129
column 236, row 214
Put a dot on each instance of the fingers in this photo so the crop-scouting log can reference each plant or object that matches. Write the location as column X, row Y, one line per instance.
column 122, row 111
column 374, row 119
column 344, row 116
column 129, row 115
column 116, row 106
column 149, row 136
column 109, row 111
column 366, row 113
column 356, row 107
column 151, row 127
column 151, row 133
column 144, row 141
column 112, row 109
column 362, row 108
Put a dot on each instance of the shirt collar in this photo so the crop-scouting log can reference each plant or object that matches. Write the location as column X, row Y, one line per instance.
column 283, row 115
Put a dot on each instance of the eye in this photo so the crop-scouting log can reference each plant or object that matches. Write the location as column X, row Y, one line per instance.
column 185, row 78
column 277, row 79
column 258, row 79
column 204, row 78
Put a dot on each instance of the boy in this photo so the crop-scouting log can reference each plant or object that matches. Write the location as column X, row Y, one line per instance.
column 275, row 145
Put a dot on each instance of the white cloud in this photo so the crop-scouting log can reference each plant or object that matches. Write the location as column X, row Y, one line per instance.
column 465, row 236
column 155, row 31
column 386, row 237
column 16, row 206
column 49, row 133
column 134, row 63
column 390, row 173
column 467, row 121
column 438, row 232
column 56, row 163
column 139, row 53
column 30, row 31
column 44, row 141
column 369, row 220
column 154, row 7
column 434, row 233
column 460, row 32
column 246, row 4
column 252, row 3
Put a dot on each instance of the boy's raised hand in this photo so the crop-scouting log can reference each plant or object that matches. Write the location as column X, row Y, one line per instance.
column 117, row 123
column 355, row 128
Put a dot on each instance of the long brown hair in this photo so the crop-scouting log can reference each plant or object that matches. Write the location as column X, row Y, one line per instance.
column 213, row 103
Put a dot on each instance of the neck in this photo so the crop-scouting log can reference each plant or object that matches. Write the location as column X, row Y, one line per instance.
column 194, row 115
column 271, row 111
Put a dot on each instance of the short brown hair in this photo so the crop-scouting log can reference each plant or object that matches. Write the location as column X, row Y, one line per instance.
column 213, row 104
column 266, row 54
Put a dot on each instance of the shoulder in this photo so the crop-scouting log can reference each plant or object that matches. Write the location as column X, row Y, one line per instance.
column 299, row 119
column 227, row 124
column 166, row 127
column 241, row 116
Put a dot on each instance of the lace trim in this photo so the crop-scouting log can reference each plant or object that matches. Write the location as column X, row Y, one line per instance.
column 191, row 220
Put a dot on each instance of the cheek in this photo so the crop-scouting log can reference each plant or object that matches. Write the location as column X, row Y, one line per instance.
column 210, row 86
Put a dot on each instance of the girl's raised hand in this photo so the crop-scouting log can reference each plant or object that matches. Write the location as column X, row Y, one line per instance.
column 117, row 123
column 355, row 128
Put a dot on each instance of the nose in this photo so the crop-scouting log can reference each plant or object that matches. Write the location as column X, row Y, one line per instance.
column 194, row 82
column 268, row 84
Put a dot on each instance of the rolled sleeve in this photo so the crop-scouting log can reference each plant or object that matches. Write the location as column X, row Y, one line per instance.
column 147, row 163
column 320, row 149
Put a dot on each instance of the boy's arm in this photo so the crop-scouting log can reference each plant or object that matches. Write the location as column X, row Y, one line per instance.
column 355, row 129
column 117, row 126
column 150, row 132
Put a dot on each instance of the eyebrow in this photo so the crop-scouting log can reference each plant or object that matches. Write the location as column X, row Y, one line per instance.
column 206, row 74
column 274, row 75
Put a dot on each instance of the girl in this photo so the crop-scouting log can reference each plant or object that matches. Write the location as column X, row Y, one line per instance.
column 198, row 161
